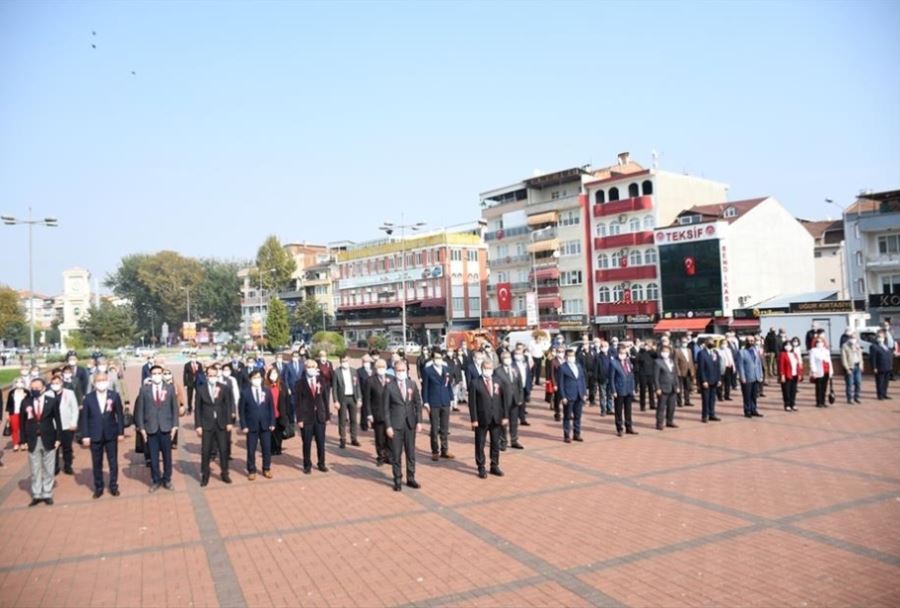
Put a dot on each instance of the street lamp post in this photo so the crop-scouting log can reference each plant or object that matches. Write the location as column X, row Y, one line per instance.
column 389, row 228
column 50, row 222
column 845, row 287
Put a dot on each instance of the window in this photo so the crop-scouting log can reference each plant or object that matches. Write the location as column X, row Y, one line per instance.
column 684, row 220
column 455, row 255
column 633, row 190
column 635, row 259
column 817, row 254
column 613, row 194
column 570, row 277
column 648, row 222
column 456, row 278
column 603, row 295
column 502, row 251
column 521, row 249
column 650, row 256
column 890, row 284
column 520, row 303
column 599, row 197
column 860, row 287
column 614, row 228
column 602, row 261
column 637, row 292
column 473, row 254
column 601, row 229
column 731, row 212
column 573, row 307
column 570, row 218
column 652, row 291
column 475, row 307
column 889, row 244
column 647, row 187
column 859, row 258
column 570, row 248
column 554, row 195
column 459, row 305
column 617, row 293
column 502, row 277
column 634, row 225
column 615, row 259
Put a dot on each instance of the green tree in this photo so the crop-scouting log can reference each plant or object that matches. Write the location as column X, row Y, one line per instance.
column 108, row 326
column 275, row 264
column 278, row 330
column 308, row 315
column 218, row 295
column 12, row 319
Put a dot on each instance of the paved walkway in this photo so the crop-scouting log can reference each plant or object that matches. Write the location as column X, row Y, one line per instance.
column 798, row 509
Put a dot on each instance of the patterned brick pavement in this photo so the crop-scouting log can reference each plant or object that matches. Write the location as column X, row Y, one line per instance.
column 789, row 510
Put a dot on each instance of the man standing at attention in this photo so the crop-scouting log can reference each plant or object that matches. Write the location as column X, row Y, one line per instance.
column 102, row 428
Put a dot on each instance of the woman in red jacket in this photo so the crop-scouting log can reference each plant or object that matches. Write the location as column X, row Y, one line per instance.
column 790, row 370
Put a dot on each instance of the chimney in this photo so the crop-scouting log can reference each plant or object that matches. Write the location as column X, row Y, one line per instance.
column 624, row 157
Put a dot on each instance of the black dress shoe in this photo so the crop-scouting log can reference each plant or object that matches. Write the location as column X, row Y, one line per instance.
column 496, row 471
column 154, row 487
column 577, row 438
column 715, row 418
column 672, row 426
column 618, row 433
column 355, row 443
column 413, row 484
column 115, row 492
column 704, row 420
column 567, row 440
column 757, row 415
column 98, row 493
column 398, row 486
column 322, row 468
column 307, row 470
column 226, row 478
column 343, row 444
column 557, row 417
column 378, row 461
column 525, row 423
column 517, row 446
column 49, row 502
column 748, row 415
column 659, row 427
column 168, row 485
column 35, row 502
column 203, row 483
column 503, row 448
column 482, row 474
column 68, row 471
column 630, row 432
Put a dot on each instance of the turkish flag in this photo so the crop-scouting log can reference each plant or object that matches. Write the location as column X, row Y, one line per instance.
column 690, row 266
column 626, row 296
column 504, row 297
column 623, row 261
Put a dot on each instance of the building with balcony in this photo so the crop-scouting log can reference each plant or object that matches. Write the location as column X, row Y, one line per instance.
column 872, row 245
column 829, row 255
column 716, row 258
column 444, row 290
column 626, row 201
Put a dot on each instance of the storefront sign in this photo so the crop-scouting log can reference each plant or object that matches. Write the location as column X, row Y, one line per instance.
column 609, row 320
column 824, row 306
column 688, row 233
column 531, row 309
column 641, row 318
column 885, row 300
column 495, row 322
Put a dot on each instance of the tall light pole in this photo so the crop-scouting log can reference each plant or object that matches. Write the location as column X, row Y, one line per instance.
column 389, row 228
column 845, row 287
column 187, row 290
column 50, row 222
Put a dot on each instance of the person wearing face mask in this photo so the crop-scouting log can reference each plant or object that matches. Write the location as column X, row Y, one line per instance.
column 311, row 402
column 257, row 419
column 81, row 377
column 852, row 361
column 190, row 376
column 68, row 414
column 213, row 420
column 553, row 380
column 376, row 391
column 882, row 358
column 347, row 397
column 326, row 369
column 362, row 378
column 488, row 413
column 790, row 370
column 437, row 392
column 622, row 386
column 749, row 366
column 403, row 419
column 41, row 429
column 511, row 383
column 820, row 371
column 457, row 379
column 13, row 410
column 156, row 419
column 684, row 367
column 572, row 389
column 292, row 371
column 281, row 398
column 102, row 428
column 586, row 355
column 709, row 375
column 521, row 363
column 601, row 374
column 668, row 387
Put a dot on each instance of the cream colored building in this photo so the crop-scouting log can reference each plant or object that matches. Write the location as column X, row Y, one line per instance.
column 829, row 255
column 76, row 300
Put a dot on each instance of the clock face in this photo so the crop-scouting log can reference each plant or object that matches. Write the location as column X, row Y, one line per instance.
column 76, row 287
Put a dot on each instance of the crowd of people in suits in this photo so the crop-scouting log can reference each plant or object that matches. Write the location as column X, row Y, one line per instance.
column 299, row 393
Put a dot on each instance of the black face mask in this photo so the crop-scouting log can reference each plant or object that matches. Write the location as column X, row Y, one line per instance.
column 36, row 394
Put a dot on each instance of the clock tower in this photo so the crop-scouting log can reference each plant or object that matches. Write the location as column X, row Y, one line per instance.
column 76, row 300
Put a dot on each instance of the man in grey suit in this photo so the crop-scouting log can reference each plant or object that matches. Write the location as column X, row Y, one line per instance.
column 668, row 388
column 156, row 418
column 750, row 371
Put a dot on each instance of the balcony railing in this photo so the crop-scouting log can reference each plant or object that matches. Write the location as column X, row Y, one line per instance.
column 630, row 239
column 547, row 290
column 505, row 233
column 543, row 234
column 513, row 286
column 504, row 260
column 637, row 203
column 628, row 273
column 884, row 261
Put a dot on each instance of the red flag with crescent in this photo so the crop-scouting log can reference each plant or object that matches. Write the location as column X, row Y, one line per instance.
column 690, row 266
column 504, row 297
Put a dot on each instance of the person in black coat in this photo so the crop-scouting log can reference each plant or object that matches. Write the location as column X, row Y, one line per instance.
column 376, row 395
column 882, row 364
column 488, row 413
column 41, row 429
column 102, row 427
column 213, row 421
column 646, row 369
column 363, row 374
column 311, row 397
column 193, row 369
column 403, row 417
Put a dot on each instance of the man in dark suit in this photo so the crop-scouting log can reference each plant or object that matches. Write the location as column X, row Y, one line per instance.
column 362, row 375
column 668, row 387
column 586, row 355
column 256, row 412
column 645, row 368
column 311, row 395
column 347, row 396
column 145, row 369
column 621, row 386
column 102, row 428
column 40, row 427
column 402, row 414
column 488, row 413
column 521, row 363
column 292, row 371
column 684, row 367
column 376, row 391
column 213, row 422
column 437, row 392
column 882, row 358
column 708, row 375
column 80, row 378
column 193, row 369
column 156, row 418
column 514, row 391
column 572, row 387
column 553, row 375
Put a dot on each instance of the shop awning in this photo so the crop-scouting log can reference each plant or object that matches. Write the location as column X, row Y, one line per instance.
column 548, row 217
column 695, row 324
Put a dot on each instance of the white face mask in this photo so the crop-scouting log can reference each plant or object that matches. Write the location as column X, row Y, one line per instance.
column 226, row 373
column 507, row 361
column 788, row 348
column 664, row 355
column 67, row 377
column 323, row 359
column 101, row 368
column 311, row 373
column 213, row 379
column 156, row 378
column 487, row 373
column 819, row 344
column 367, row 365
column 571, row 360
column 520, row 358
column 102, row 386
column 380, row 371
column 56, row 388
column 345, row 365
column 257, row 382
column 273, row 377
column 401, row 375
column 167, row 378
column 438, row 362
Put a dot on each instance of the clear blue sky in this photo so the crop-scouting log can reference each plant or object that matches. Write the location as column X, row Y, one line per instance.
column 317, row 121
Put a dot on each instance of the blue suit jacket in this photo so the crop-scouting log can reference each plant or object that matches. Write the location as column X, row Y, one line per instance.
column 256, row 417
column 620, row 382
column 97, row 424
column 707, row 368
column 569, row 386
column 291, row 377
column 881, row 358
column 749, row 365
column 437, row 390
